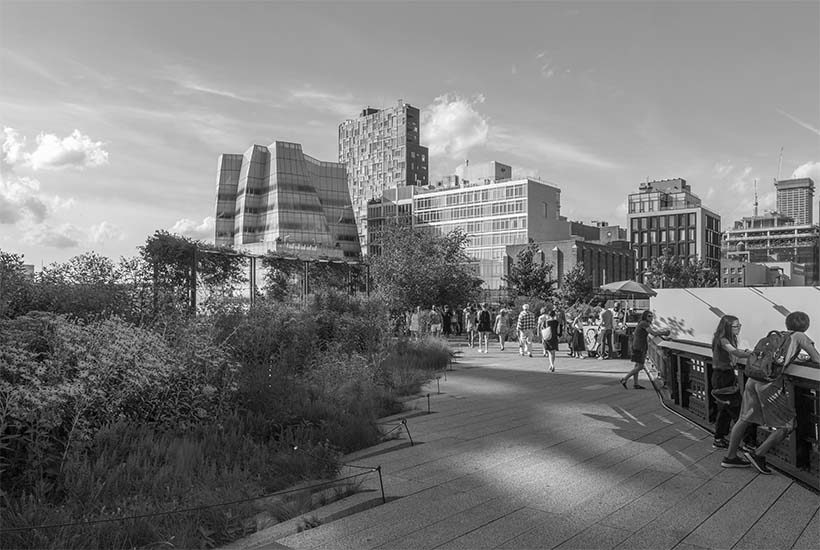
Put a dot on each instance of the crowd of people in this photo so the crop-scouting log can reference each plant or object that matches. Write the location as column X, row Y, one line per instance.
column 480, row 324
column 740, row 409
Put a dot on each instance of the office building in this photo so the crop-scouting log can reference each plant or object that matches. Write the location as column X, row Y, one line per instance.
column 278, row 199
column 603, row 262
column 394, row 206
column 795, row 199
column 494, row 215
column 775, row 237
column 666, row 214
column 737, row 273
column 381, row 150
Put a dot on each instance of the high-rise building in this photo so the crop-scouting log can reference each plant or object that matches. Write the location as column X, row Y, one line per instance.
column 795, row 199
column 277, row 198
column 666, row 214
column 775, row 237
column 381, row 150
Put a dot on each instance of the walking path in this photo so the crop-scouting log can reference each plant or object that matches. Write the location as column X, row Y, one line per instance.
column 512, row 456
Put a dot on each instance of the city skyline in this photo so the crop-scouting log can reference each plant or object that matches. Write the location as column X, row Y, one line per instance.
column 115, row 115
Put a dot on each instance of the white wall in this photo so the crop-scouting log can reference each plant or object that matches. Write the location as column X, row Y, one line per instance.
column 693, row 313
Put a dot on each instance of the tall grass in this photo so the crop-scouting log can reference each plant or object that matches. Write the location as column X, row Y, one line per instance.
column 105, row 419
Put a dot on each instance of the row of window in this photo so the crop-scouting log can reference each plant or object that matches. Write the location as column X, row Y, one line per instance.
column 662, row 236
column 471, row 197
column 654, row 251
column 465, row 212
column 662, row 222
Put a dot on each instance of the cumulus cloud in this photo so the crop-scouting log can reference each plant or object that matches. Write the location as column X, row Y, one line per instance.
column 452, row 125
column 20, row 199
column 808, row 170
column 74, row 151
column 64, row 235
column 196, row 230
column 103, row 232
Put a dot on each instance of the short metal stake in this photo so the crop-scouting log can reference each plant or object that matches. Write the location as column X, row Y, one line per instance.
column 381, row 483
column 404, row 421
column 428, row 403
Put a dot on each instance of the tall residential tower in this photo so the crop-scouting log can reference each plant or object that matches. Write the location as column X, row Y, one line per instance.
column 795, row 199
column 381, row 150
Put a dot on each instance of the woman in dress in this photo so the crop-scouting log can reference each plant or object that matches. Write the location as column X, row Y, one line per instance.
column 576, row 342
column 502, row 327
column 470, row 324
column 414, row 323
column 550, row 330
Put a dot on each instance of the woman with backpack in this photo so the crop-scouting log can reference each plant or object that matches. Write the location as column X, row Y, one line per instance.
column 724, row 381
column 767, row 402
column 485, row 327
column 550, row 330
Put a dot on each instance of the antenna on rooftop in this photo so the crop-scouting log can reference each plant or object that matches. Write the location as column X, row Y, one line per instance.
column 755, row 197
column 779, row 164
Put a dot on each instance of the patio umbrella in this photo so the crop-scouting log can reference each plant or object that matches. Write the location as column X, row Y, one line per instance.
column 629, row 287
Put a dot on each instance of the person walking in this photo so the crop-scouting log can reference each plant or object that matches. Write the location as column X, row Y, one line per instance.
column 502, row 327
column 769, row 403
column 415, row 320
column 576, row 342
column 540, row 326
column 725, row 390
column 485, row 327
column 435, row 321
column 607, row 326
column 447, row 321
column 550, row 328
column 470, row 325
column 525, row 327
column 640, row 346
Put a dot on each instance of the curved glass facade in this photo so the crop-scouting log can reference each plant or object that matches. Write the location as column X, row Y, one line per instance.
column 276, row 198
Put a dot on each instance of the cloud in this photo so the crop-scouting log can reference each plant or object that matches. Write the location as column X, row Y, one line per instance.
column 12, row 151
column 193, row 229
column 451, row 126
column 723, row 169
column 103, row 232
column 340, row 105
column 544, row 148
column 808, row 170
column 65, row 235
column 20, row 199
column 75, row 151
column 799, row 122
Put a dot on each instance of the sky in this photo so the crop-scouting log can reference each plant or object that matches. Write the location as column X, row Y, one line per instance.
column 114, row 114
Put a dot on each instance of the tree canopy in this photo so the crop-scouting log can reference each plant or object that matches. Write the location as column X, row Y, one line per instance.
column 529, row 277
column 417, row 266
column 671, row 271
column 576, row 285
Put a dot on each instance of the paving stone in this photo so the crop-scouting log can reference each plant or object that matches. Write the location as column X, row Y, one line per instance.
column 810, row 535
column 777, row 527
column 675, row 524
column 727, row 525
column 595, row 537
column 497, row 533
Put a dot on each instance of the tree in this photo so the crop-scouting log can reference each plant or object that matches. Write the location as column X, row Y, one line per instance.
column 15, row 286
column 576, row 285
column 528, row 277
column 671, row 271
column 417, row 266
column 173, row 259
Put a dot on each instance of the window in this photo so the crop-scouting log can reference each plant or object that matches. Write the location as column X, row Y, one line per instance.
column 546, row 210
column 692, row 219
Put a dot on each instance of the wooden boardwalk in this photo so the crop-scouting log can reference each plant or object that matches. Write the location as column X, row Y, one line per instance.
column 515, row 457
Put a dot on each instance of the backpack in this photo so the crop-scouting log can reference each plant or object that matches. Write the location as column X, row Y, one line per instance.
column 769, row 358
